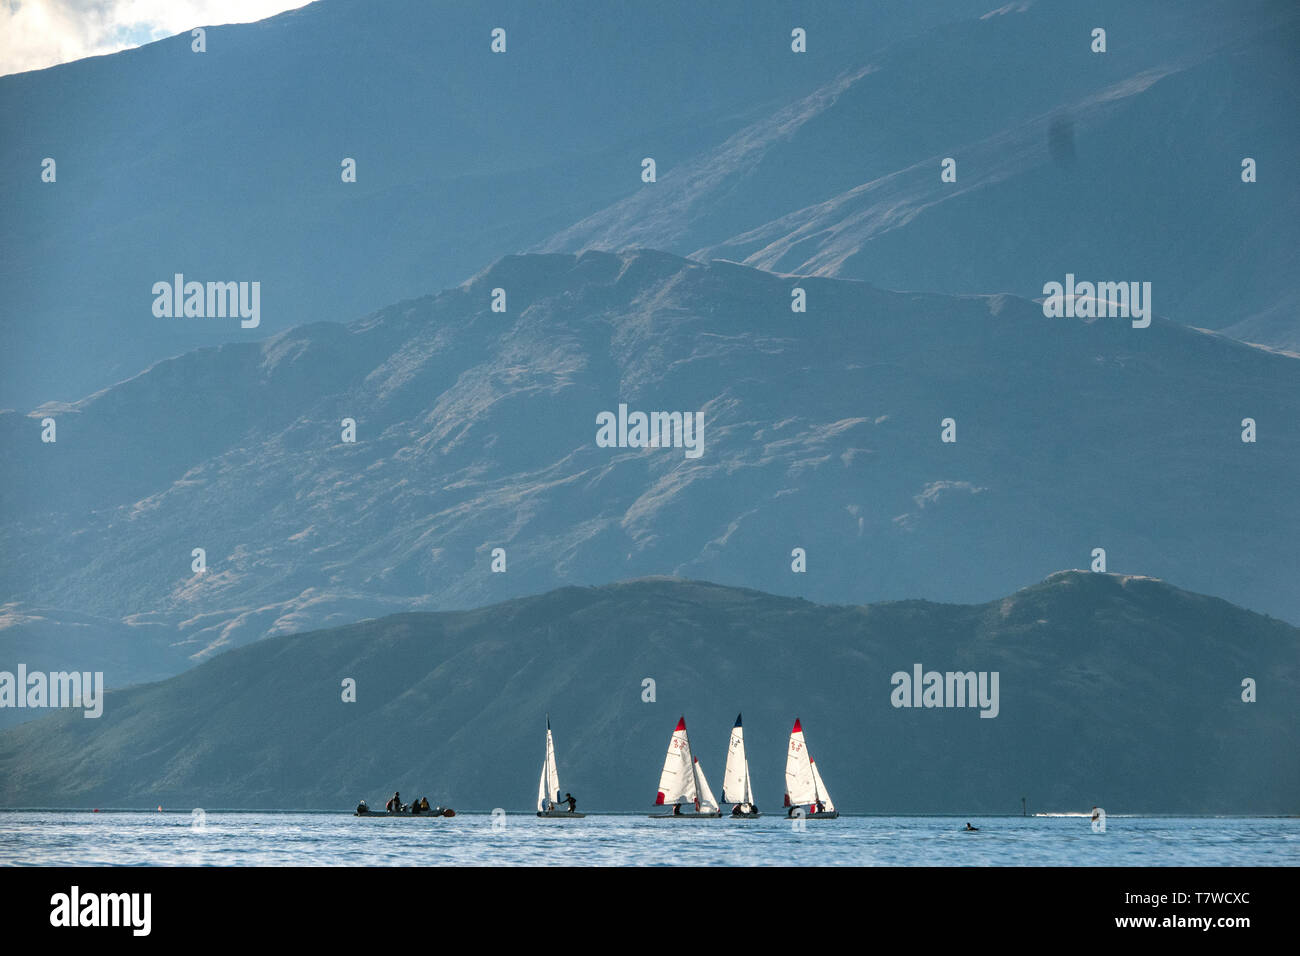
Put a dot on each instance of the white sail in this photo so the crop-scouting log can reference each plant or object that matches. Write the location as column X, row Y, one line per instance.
column 677, row 782
column 735, row 778
column 800, row 785
column 706, row 804
column 548, row 788
column 821, row 788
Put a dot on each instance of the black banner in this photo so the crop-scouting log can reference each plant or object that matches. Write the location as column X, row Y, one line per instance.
column 331, row 905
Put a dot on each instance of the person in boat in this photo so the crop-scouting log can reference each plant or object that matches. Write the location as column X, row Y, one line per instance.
column 415, row 805
column 568, row 798
column 394, row 805
column 677, row 809
column 424, row 804
column 971, row 829
column 362, row 807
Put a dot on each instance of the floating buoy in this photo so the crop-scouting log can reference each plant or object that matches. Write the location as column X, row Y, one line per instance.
column 96, row 810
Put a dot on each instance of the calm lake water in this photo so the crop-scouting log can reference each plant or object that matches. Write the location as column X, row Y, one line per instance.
column 336, row 839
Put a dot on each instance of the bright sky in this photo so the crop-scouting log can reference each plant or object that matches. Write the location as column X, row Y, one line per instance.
column 35, row 34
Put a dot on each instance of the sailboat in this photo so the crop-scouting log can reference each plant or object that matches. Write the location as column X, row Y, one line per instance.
column 803, row 781
column 735, row 778
column 548, row 788
column 682, row 781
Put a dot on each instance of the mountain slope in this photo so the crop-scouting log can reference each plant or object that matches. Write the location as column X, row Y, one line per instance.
column 1115, row 691
column 226, row 165
column 477, row 430
column 1118, row 165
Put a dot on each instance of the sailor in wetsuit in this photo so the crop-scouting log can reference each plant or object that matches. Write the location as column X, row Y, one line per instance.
column 573, row 804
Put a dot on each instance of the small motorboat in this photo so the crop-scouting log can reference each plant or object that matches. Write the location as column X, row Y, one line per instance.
column 363, row 810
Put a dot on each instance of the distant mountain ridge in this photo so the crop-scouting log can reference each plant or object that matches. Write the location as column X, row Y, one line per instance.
column 226, row 165
column 476, row 429
column 822, row 431
column 1092, row 168
column 1115, row 691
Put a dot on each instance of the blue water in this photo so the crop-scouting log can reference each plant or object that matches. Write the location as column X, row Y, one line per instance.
column 328, row 839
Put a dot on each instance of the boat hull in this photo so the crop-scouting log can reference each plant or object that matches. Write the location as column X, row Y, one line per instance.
column 685, row 816
column 436, row 812
column 560, row 815
column 825, row 815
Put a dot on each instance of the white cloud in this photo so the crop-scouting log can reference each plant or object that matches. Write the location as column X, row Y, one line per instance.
column 35, row 34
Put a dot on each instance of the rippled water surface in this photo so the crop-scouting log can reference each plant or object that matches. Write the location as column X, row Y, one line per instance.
column 334, row 839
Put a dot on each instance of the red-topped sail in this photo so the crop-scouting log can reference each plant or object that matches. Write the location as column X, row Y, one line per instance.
column 677, row 782
column 799, row 785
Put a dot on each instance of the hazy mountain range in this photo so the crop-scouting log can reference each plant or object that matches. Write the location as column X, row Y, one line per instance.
column 1117, row 691
column 225, row 165
column 1122, row 164
column 477, row 430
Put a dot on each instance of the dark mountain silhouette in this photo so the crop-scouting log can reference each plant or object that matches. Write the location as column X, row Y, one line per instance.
column 1117, row 691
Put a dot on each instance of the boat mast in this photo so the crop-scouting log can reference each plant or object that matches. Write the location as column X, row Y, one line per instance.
column 817, row 794
column 695, row 776
column 549, row 768
column 746, row 796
